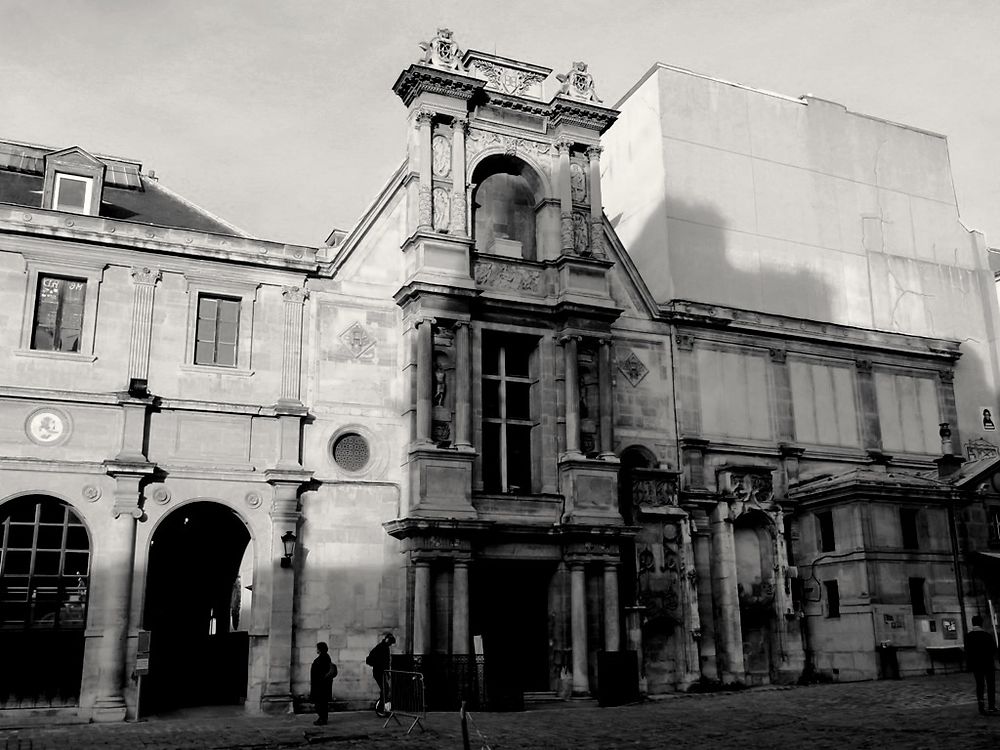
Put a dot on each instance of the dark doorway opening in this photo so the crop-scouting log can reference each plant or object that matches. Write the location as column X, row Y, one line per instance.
column 511, row 614
column 199, row 648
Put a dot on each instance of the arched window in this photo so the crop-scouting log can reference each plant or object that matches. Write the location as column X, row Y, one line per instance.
column 44, row 584
column 503, row 207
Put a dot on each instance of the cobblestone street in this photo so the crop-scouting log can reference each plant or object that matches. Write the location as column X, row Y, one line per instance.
column 927, row 712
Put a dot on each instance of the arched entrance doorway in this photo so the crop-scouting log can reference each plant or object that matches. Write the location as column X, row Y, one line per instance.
column 755, row 557
column 196, row 609
column 44, row 581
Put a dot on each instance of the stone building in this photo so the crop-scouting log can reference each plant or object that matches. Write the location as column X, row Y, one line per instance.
column 687, row 378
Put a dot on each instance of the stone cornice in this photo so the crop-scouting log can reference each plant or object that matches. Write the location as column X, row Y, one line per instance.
column 101, row 231
column 419, row 79
column 703, row 315
column 566, row 111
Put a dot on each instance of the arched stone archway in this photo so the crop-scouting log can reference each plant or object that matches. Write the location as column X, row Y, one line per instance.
column 199, row 644
column 753, row 533
column 44, row 589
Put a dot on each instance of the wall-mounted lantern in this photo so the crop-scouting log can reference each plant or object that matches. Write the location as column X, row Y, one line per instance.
column 288, row 542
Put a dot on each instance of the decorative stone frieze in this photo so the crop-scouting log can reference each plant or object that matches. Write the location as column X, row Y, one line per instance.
column 508, row 80
column 508, row 277
column 479, row 140
column 980, row 448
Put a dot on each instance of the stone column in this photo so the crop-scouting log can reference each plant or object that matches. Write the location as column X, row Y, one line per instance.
column 578, row 620
column 291, row 349
column 422, row 607
column 425, row 213
column 612, row 630
column 607, row 400
column 458, row 224
column 463, row 387
column 113, row 586
column 727, row 603
column 144, row 286
column 277, row 693
column 460, row 609
column 425, row 368
column 565, row 198
column 572, row 395
column 948, row 408
column 783, row 394
column 689, row 604
column 596, row 205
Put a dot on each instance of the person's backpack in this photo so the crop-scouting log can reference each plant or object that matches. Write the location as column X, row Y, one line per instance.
column 372, row 659
column 333, row 670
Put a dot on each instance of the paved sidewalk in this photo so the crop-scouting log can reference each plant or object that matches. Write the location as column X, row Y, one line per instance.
column 924, row 712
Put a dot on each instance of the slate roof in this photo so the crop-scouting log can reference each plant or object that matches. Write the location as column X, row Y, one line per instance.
column 129, row 193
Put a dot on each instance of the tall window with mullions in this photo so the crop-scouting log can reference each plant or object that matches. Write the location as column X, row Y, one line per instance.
column 508, row 412
column 218, row 329
column 58, row 314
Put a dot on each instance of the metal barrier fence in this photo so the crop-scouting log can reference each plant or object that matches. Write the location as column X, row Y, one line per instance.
column 448, row 679
column 404, row 696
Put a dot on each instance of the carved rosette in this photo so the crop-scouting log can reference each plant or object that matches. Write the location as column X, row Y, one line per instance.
column 508, row 277
column 425, row 207
column 91, row 493
column 442, row 209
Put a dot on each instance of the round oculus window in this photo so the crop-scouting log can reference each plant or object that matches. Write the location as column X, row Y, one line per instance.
column 351, row 452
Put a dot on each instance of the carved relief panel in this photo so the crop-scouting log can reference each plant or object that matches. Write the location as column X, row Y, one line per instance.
column 442, row 389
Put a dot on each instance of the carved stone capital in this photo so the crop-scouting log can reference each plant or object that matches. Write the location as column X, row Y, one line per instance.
column 145, row 275
column 294, row 294
column 778, row 354
column 863, row 365
column 594, row 152
column 566, row 338
column 563, row 147
column 946, row 376
column 423, row 116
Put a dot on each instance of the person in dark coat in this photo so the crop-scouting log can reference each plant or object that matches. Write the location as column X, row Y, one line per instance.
column 980, row 653
column 321, row 682
column 380, row 659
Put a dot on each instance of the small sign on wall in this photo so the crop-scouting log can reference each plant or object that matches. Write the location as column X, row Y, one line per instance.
column 988, row 423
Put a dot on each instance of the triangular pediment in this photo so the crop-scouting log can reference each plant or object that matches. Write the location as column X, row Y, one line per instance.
column 74, row 155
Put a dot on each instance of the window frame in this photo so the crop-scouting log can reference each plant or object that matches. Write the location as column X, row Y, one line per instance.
column 216, row 343
column 917, row 584
column 831, row 590
column 58, row 178
column 246, row 295
column 93, row 274
column 822, row 535
column 499, row 340
column 908, row 534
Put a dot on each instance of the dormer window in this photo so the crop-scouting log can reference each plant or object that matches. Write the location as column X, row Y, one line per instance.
column 72, row 193
column 74, row 181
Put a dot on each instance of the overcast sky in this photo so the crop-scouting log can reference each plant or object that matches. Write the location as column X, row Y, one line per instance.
column 279, row 117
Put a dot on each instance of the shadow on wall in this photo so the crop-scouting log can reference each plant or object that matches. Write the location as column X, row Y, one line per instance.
column 686, row 252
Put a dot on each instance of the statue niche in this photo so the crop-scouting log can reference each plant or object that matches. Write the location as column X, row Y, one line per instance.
column 442, row 378
column 587, row 370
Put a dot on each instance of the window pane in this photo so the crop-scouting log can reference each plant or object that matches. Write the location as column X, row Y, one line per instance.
column 50, row 537
column 518, row 355
column 20, row 535
column 491, row 359
column 204, row 353
column 76, row 564
column 225, row 354
column 226, row 333
column 519, row 458
column 47, row 563
column 491, row 398
column 72, row 194
column 491, row 457
column 229, row 311
column 51, row 513
column 76, row 538
column 17, row 563
column 207, row 308
column 518, row 401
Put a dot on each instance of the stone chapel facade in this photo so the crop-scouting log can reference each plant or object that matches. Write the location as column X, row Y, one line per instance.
column 666, row 392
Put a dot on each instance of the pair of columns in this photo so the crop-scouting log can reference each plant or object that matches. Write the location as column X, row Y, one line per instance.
column 425, row 384
column 457, row 223
column 422, row 613
column 572, row 369
column 422, row 607
column 578, row 619
column 596, row 220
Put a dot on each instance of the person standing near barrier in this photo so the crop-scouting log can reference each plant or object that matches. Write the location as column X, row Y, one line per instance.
column 980, row 652
column 380, row 660
column 321, row 682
